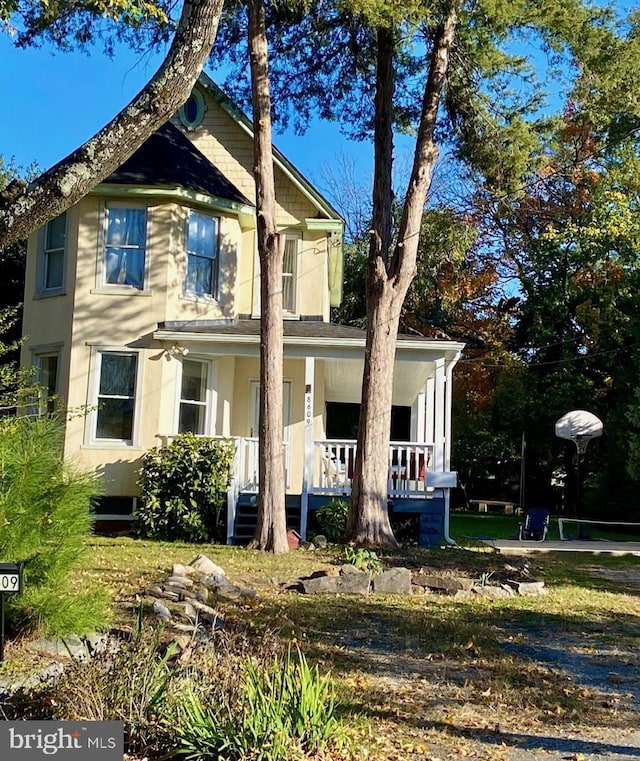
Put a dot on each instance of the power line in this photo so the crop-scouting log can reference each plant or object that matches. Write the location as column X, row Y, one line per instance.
column 565, row 360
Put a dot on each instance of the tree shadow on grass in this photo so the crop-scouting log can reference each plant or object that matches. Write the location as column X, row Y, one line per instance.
column 567, row 747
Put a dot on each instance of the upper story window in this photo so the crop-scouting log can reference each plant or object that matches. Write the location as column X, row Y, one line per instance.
column 125, row 246
column 53, row 254
column 202, row 254
column 289, row 273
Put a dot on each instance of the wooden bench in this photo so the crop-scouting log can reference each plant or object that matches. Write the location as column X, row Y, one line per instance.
column 489, row 505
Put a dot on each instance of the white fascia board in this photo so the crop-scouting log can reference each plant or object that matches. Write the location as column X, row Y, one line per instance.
column 407, row 351
column 323, row 225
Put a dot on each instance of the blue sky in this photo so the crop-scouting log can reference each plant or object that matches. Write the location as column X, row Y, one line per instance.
column 54, row 101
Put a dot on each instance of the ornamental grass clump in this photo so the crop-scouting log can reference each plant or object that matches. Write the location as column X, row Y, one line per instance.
column 282, row 710
column 45, row 516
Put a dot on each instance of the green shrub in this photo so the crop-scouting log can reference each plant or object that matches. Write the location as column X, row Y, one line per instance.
column 360, row 557
column 184, row 490
column 282, row 708
column 45, row 515
column 332, row 519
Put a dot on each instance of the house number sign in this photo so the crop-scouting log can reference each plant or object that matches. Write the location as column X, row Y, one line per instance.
column 308, row 412
column 10, row 583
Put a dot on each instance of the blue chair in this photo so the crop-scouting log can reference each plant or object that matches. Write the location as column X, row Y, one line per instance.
column 535, row 526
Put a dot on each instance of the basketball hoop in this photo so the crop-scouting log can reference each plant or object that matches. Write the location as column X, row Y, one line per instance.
column 581, row 444
column 580, row 427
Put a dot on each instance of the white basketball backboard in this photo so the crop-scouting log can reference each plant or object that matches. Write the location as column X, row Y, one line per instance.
column 579, row 425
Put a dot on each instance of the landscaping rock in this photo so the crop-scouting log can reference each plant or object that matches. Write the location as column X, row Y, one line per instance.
column 347, row 570
column 204, row 565
column 161, row 610
column 178, row 569
column 395, row 581
column 65, row 647
column 231, row 592
column 353, row 582
column 444, row 584
column 165, row 594
column 180, row 581
column 320, row 585
column 493, row 593
column 530, row 588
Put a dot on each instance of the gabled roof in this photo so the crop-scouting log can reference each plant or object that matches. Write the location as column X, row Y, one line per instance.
column 168, row 158
column 279, row 159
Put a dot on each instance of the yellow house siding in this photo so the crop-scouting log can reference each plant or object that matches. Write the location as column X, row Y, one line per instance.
column 227, row 145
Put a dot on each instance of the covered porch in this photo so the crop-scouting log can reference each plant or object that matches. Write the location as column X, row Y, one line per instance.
column 323, row 376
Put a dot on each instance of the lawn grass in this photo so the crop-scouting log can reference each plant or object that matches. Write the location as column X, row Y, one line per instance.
column 422, row 672
column 497, row 526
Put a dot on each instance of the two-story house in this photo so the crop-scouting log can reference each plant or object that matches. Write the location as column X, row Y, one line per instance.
column 142, row 313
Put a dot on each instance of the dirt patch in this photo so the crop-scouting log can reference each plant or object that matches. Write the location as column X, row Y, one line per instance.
column 522, row 704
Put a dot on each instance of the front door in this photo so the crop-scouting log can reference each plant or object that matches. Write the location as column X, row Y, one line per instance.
column 254, row 418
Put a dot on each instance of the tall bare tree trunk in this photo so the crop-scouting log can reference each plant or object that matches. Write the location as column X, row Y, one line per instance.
column 388, row 282
column 72, row 178
column 271, row 529
column 369, row 518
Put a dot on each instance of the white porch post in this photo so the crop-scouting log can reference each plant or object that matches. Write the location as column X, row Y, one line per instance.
column 439, row 417
column 447, row 444
column 429, row 414
column 419, row 418
column 307, row 477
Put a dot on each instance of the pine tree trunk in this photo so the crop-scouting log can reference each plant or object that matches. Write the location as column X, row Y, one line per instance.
column 271, row 529
column 388, row 283
column 72, row 178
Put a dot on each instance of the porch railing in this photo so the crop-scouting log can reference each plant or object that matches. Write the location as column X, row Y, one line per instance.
column 246, row 465
column 408, row 463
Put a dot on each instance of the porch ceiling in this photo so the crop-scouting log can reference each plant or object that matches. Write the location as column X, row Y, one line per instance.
column 343, row 380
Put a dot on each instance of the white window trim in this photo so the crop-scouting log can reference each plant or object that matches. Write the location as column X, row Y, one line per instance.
column 256, row 307
column 194, row 295
column 40, row 290
column 297, row 236
column 115, row 288
column 37, row 362
column 211, row 396
column 95, row 362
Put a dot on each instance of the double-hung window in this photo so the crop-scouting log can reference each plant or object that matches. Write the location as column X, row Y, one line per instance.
column 125, row 246
column 47, row 376
column 116, row 396
column 289, row 273
column 53, row 252
column 192, row 416
column 202, row 254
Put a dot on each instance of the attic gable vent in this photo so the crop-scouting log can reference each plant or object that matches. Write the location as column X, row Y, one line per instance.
column 192, row 112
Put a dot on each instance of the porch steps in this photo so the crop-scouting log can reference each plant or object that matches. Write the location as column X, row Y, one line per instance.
column 247, row 516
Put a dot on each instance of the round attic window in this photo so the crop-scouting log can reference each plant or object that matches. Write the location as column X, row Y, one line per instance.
column 191, row 113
